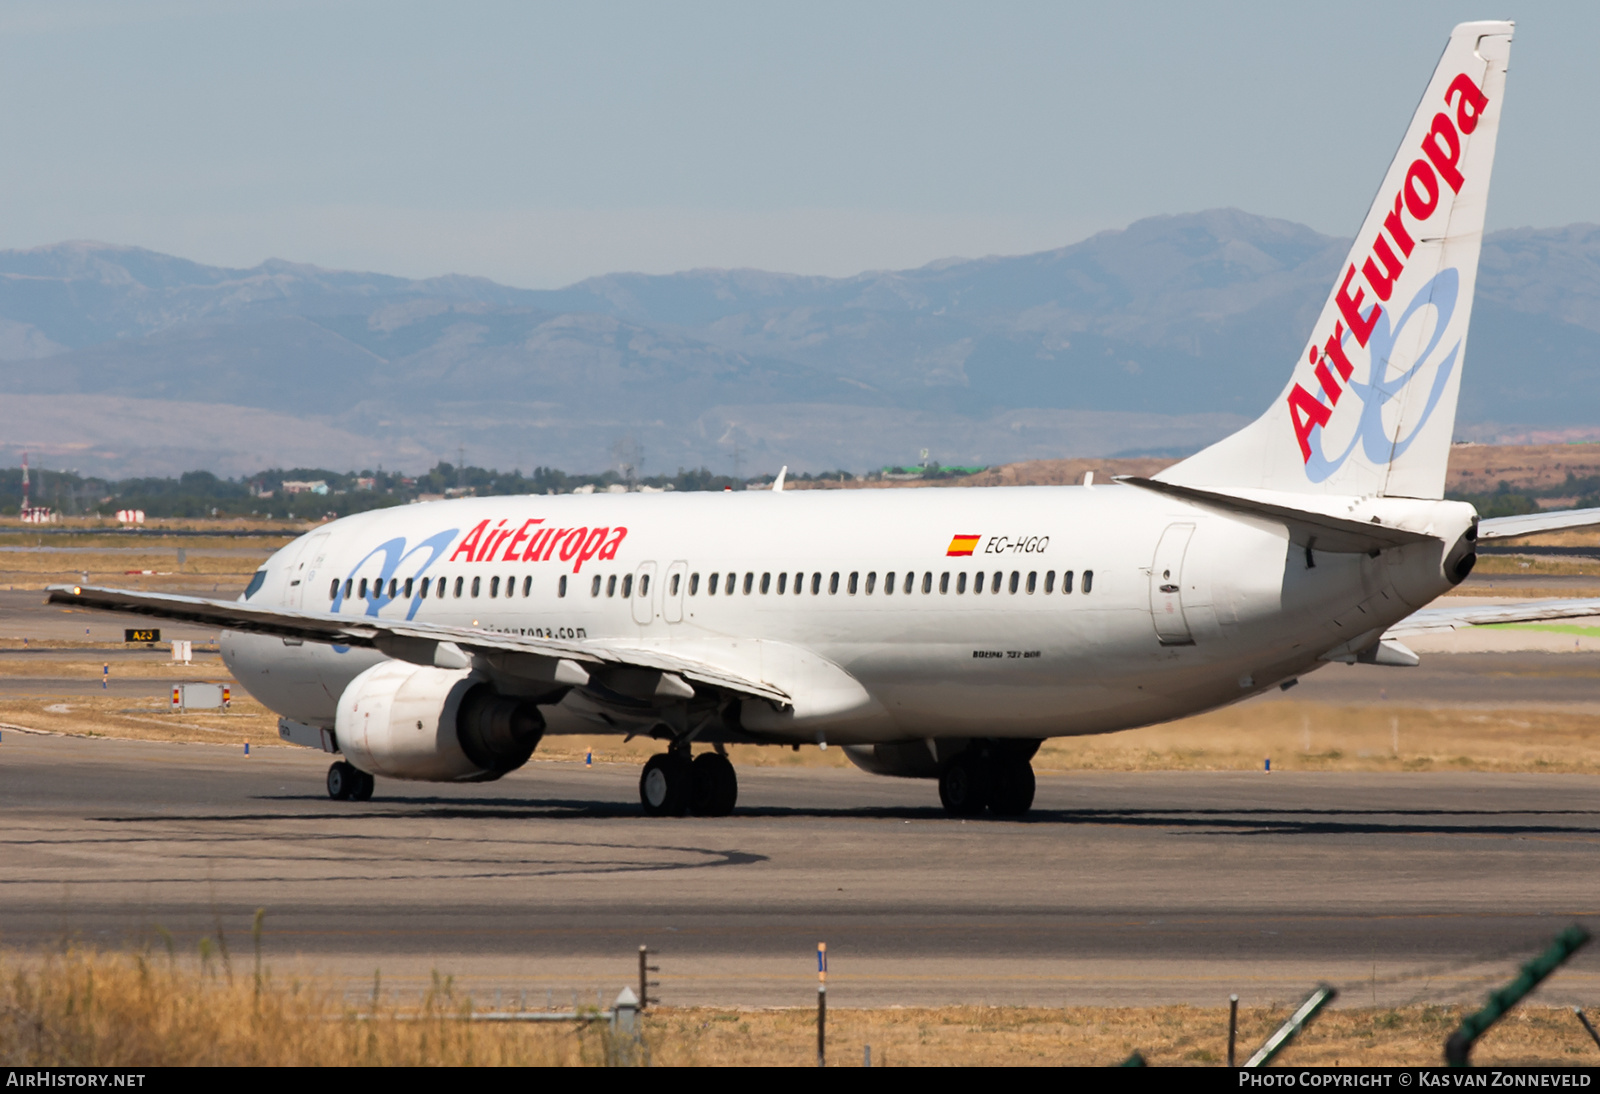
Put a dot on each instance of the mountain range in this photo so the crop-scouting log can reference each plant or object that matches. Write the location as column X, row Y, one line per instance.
column 1155, row 338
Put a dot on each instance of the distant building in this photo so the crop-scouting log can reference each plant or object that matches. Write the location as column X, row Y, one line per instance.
column 317, row 486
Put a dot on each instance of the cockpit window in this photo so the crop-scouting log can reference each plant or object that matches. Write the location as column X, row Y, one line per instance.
column 256, row 581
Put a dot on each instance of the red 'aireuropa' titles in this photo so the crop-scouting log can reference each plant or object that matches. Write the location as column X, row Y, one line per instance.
column 530, row 543
column 1419, row 197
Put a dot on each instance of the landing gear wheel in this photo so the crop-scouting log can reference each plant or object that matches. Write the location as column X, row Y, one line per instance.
column 363, row 789
column 715, row 786
column 1013, row 788
column 966, row 784
column 666, row 785
column 343, row 779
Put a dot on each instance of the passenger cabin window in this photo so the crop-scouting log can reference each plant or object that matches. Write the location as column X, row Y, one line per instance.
column 1066, row 582
column 561, row 586
column 422, row 590
column 800, row 584
column 410, row 584
column 766, row 584
column 872, row 581
column 711, row 584
column 977, row 583
column 727, row 589
column 783, row 583
column 944, row 584
column 644, row 584
column 961, row 583
column 749, row 582
column 1016, row 579
column 363, row 588
column 511, row 586
column 911, row 580
column 461, row 584
column 594, row 586
column 676, row 579
column 348, row 584
column 816, row 583
column 527, row 585
column 611, row 585
column 888, row 583
column 854, row 577
column 627, row 585
column 476, row 584
column 833, row 584
column 694, row 584
column 494, row 586
column 1088, row 581
column 1049, row 581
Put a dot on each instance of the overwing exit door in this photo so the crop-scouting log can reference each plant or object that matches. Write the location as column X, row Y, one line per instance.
column 644, row 594
column 672, row 594
column 1166, row 586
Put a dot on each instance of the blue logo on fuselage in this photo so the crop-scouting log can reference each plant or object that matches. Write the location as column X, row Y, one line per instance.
column 394, row 555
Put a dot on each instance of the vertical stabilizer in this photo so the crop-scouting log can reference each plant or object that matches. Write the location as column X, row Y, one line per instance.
column 1372, row 403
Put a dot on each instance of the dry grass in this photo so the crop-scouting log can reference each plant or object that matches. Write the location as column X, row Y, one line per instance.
column 137, row 719
column 1308, row 736
column 1296, row 736
column 149, row 1009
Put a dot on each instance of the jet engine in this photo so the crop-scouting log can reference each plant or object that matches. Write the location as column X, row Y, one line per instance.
column 410, row 721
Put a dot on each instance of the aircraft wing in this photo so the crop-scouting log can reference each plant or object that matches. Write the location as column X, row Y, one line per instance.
column 558, row 660
column 1527, row 611
column 1528, row 523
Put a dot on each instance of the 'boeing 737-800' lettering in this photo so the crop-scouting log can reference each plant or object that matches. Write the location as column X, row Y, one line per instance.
column 1318, row 533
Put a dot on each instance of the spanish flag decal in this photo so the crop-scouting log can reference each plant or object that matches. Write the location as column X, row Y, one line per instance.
column 962, row 546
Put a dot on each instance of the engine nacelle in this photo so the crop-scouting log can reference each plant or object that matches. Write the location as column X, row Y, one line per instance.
column 410, row 721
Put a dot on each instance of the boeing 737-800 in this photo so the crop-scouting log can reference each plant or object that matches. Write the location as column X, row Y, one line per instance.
column 930, row 633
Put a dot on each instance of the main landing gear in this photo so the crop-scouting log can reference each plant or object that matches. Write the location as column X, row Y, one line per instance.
column 998, row 778
column 348, row 783
column 673, row 785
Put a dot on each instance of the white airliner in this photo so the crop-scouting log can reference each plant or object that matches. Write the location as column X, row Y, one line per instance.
column 931, row 633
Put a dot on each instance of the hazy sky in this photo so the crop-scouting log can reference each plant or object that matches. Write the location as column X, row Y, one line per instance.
column 541, row 143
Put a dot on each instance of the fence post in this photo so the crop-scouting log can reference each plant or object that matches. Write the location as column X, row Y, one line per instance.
column 1584, row 1018
column 1233, row 1026
column 1307, row 1010
column 1459, row 1046
column 645, row 983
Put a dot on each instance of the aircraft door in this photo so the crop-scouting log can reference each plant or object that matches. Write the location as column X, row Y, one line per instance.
column 672, row 593
column 304, row 570
column 1166, row 586
column 644, row 593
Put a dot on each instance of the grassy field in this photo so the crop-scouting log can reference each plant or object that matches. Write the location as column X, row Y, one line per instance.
column 151, row 1009
column 1296, row 736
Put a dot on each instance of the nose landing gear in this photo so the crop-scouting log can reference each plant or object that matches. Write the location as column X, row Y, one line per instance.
column 348, row 783
column 673, row 785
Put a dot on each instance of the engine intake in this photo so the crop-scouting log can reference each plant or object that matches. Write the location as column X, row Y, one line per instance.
column 410, row 721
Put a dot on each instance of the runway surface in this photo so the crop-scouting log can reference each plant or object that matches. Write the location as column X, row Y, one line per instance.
column 1121, row 889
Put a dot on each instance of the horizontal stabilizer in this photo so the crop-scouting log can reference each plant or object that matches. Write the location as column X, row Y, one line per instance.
column 1454, row 617
column 1526, row 524
column 1339, row 535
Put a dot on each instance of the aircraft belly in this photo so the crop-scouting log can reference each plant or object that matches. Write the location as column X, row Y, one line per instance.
column 301, row 682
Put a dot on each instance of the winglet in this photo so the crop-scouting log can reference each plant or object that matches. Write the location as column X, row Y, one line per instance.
column 777, row 483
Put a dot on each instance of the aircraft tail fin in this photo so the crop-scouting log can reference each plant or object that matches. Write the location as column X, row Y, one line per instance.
column 1371, row 406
